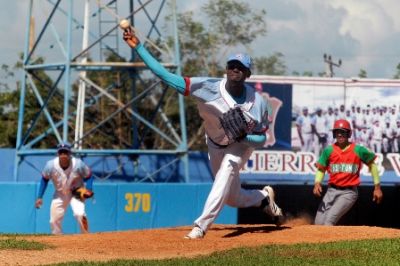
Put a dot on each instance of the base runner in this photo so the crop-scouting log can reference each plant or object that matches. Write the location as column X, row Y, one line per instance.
column 343, row 161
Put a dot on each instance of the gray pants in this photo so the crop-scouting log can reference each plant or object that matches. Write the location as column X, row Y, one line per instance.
column 335, row 204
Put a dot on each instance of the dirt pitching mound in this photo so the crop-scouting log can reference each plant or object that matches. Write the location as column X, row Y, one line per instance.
column 169, row 242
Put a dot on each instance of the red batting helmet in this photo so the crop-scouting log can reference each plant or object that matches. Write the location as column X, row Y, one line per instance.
column 342, row 124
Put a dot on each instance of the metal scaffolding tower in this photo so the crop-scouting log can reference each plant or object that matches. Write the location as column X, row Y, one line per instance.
column 107, row 21
column 82, row 85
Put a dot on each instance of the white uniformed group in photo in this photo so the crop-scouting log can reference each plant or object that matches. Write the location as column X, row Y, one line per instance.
column 375, row 127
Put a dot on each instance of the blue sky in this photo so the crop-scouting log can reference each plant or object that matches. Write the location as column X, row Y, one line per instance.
column 363, row 34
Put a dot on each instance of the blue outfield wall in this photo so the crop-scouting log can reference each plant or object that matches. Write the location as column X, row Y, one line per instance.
column 115, row 207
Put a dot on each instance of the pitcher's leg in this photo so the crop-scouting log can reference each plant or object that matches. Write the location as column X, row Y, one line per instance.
column 218, row 194
column 239, row 197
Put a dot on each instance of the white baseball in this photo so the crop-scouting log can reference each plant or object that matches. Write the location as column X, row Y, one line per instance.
column 124, row 24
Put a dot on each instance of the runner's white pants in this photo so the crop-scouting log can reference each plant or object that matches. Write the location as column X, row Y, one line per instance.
column 58, row 208
column 226, row 189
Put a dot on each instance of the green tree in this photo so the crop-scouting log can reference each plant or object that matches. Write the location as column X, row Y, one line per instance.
column 8, row 108
column 362, row 73
column 397, row 75
column 307, row 74
column 273, row 65
column 5, row 75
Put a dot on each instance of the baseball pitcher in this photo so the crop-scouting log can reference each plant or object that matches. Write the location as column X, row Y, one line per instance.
column 235, row 118
column 73, row 183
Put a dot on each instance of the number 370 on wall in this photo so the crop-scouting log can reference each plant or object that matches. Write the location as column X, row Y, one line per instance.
column 136, row 202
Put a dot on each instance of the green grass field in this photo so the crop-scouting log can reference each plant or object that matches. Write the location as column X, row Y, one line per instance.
column 363, row 252
column 11, row 242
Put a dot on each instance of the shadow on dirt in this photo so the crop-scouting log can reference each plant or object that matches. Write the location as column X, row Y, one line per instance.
column 241, row 230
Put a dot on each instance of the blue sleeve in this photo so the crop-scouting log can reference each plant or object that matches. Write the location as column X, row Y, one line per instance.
column 175, row 81
column 42, row 188
column 255, row 141
column 89, row 182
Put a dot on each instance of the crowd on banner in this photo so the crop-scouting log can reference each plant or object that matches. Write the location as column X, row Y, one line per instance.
column 375, row 127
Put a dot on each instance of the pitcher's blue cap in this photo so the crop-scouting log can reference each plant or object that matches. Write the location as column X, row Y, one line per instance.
column 64, row 146
column 245, row 59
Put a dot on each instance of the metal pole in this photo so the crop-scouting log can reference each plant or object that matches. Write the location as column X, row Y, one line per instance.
column 67, row 86
column 80, row 113
column 22, row 95
column 132, row 74
column 185, row 157
column 329, row 64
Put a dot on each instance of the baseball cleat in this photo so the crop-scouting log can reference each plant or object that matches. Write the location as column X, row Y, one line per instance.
column 196, row 233
column 279, row 220
column 272, row 208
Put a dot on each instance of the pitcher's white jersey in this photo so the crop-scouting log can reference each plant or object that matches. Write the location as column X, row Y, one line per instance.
column 213, row 100
column 66, row 180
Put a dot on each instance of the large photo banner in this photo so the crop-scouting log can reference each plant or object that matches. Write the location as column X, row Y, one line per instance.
column 279, row 96
column 304, row 110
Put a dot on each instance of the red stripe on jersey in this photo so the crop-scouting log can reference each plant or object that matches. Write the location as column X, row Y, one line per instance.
column 187, row 87
column 320, row 167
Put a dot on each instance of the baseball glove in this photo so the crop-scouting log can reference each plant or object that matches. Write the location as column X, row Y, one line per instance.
column 234, row 124
column 82, row 193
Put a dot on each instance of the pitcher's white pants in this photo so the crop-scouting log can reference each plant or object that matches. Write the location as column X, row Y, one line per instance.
column 57, row 211
column 226, row 189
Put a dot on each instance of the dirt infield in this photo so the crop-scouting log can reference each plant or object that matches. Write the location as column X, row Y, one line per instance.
column 169, row 242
